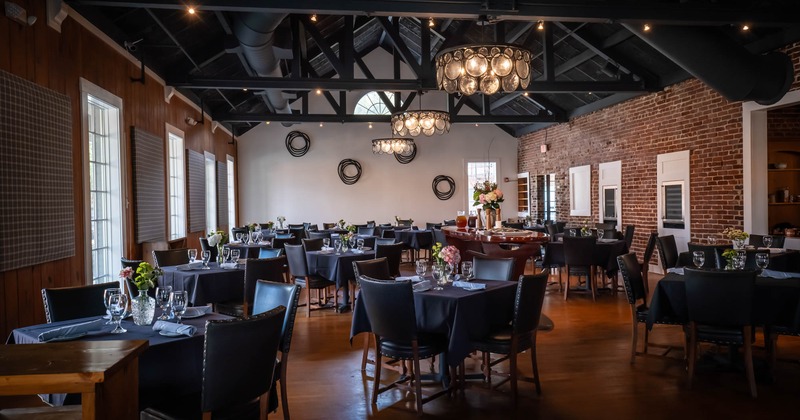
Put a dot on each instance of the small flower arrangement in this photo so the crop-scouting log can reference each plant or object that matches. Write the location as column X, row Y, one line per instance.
column 252, row 227
column 436, row 250
column 217, row 238
column 729, row 254
column 126, row 273
column 487, row 194
column 352, row 229
column 585, row 230
column 270, row 224
column 735, row 234
column 450, row 255
column 146, row 276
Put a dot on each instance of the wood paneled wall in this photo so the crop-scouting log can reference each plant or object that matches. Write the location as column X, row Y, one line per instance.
column 57, row 61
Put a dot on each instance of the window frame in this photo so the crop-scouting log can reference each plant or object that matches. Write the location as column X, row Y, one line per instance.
column 181, row 166
column 211, row 192
column 231, row 169
column 471, row 182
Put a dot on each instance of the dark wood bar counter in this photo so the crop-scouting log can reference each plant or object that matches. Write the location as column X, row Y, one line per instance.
column 494, row 243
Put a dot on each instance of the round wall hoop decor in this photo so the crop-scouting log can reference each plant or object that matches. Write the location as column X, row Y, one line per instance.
column 447, row 194
column 297, row 151
column 407, row 158
column 349, row 179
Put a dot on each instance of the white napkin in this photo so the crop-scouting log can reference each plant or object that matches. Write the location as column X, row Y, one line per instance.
column 191, row 266
column 172, row 327
column 469, row 286
column 422, row 286
column 228, row 266
column 779, row 274
column 676, row 270
column 196, row 311
column 68, row 332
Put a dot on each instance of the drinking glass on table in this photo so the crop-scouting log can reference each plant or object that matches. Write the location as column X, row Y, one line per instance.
column 767, row 241
column 117, row 302
column 226, row 254
column 235, row 255
column 438, row 276
column 360, row 244
column 352, row 242
column 698, row 258
column 162, row 300
column 106, row 294
column 245, row 238
column 326, row 242
column 206, row 257
column 256, row 237
column 600, row 233
column 739, row 259
column 337, row 245
column 762, row 260
column 345, row 245
column 466, row 269
column 192, row 255
column 239, row 236
column 421, row 266
column 178, row 300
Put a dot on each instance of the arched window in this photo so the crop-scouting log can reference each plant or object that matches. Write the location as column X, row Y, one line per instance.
column 371, row 104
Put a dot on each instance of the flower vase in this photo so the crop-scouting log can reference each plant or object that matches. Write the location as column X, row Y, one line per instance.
column 143, row 308
column 220, row 258
column 738, row 243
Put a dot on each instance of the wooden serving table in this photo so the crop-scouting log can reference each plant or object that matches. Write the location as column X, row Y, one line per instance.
column 525, row 244
column 106, row 373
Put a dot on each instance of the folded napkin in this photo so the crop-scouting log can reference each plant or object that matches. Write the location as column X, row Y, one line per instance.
column 676, row 270
column 174, row 328
column 422, row 286
column 191, row 266
column 69, row 332
column 779, row 274
column 228, row 266
column 196, row 311
column 469, row 286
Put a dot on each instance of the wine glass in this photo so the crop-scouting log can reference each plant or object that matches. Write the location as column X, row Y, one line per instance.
column 162, row 300
column 239, row 236
column 326, row 242
column 600, row 233
column 235, row 255
column 245, row 238
column 421, row 266
column 466, row 269
column 438, row 276
column 739, row 259
column 226, row 254
column 117, row 302
column 256, row 237
column 698, row 258
column 767, row 240
column 762, row 260
column 449, row 270
column 106, row 293
column 360, row 244
column 573, row 232
column 177, row 300
column 352, row 242
column 337, row 245
column 206, row 257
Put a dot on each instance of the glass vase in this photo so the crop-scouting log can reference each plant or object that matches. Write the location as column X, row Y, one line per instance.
column 738, row 243
column 143, row 308
column 220, row 256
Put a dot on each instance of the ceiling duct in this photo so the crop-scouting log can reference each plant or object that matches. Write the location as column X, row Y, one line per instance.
column 725, row 66
column 256, row 34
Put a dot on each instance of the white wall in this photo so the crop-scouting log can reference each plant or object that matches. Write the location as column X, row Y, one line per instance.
column 308, row 189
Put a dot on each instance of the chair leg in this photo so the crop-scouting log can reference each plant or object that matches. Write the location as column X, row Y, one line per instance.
column 535, row 365
column 512, row 369
column 308, row 299
column 646, row 339
column 376, row 385
column 748, row 360
column 566, row 285
column 560, row 285
column 365, row 354
column 634, row 337
column 284, row 396
column 692, row 351
column 593, row 284
column 417, row 375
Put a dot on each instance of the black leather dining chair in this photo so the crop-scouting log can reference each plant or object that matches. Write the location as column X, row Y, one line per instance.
column 579, row 259
column 390, row 308
column 487, row 268
column 298, row 267
column 629, row 229
column 758, row 240
column 65, row 303
column 551, row 229
column 269, row 295
column 366, row 231
column 378, row 269
column 271, row 269
column 204, row 246
column 667, row 252
column 238, row 369
column 326, row 226
column 168, row 257
column 243, row 230
column 317, row 235
column 439, row 236
column 393, row 254
column 312, row 244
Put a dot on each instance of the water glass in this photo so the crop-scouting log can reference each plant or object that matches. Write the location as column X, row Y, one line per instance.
column 573, row 232
column 226, row 254
column 117, row 303
column 698, row 258
column 438, row 276
column 352, row 242
column 767, row 241
column 106, row 294
column 245, row 238
column 162, row 300
column 762, row 260
column 466, row 269
column 421, row 266
column 337, row 245
column 256, row 237
column 360, row 244
column 739, row 259
column 178, row 301
column 192, row 255
column 345, row 245
column 206, row 257
column 239, row 236
column 326, row 242
column 235, row 255
column 600, row 233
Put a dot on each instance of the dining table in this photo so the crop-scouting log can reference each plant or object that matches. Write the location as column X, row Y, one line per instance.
column 216, row 284
column 460, row 315
column 605, row 254
column 169, row 368
column 337, row 267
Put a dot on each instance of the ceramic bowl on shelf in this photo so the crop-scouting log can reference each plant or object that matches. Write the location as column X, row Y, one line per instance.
column 780, row 165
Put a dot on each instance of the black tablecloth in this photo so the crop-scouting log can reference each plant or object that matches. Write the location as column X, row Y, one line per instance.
column 415, row 239
column 169, row 368
column 459, row 314
column 206, row 286
column 776, row 301
column 605, row 254
column 336, row 268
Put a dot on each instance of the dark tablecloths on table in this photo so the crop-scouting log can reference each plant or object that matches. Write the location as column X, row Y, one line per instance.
column 336, row 268
column 459, row 314
column 605, row 254
column 206, row 286
column 415, row 239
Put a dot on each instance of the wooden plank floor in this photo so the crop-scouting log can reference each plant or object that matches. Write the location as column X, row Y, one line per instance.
column 584, row 367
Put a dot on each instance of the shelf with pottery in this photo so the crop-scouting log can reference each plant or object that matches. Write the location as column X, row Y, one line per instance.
column 783, row 181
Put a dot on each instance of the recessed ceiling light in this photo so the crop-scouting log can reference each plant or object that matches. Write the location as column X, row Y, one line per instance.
column 244, row 90
column 525, row 94
column 431, row 23
column 646, row 27
column 320, row 124
column 540, row 25
column 314, row 18
column 191, row 10
column 319, row 91
column 745, row 27
column 266, row 122
column 370, row 125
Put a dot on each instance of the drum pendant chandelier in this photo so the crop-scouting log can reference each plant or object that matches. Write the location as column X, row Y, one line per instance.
column 414, row 123
column 392, row 145
column 483, row 68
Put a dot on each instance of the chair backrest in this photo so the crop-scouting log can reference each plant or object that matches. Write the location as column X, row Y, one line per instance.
column 432, row 226
column 134, row 264
column 485, row 268
column 384, row 241
column 369, row 241
column 712, row 257
column 551, row 229
column 650, row 247
column 204, row 246
column 280, row 240
column 756, row 240
column 528, row 302
column 560, row 226
column 448, row 222
column 270, row 295
column 667, row 252
column 296, row 257
column 366, row 231
column 242, row 230
column 167, row 257
column 298, row 232
column 239, row 359
column 632, row 277
column 271, row 269
column 387, row 232
column 404, row 222
column 326, row 226
column 514, row 225
column 371, row 223
column 521, row 255
column 553, row 255
column 377, row 268
column 64, row 303
column 318, row 235
column 629, row 235
column 392, row 253
column 310, row 226
column 439, row 236
column 720, row 297
column 390, row 308
column 579, row 250
column 312, row 244
column 296, row 226
column 269, row 252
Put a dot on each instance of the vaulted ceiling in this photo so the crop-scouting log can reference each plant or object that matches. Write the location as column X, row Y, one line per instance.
column 587, row 54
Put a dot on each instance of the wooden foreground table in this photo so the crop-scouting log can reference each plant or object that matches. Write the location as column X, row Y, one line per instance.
column 105, row 373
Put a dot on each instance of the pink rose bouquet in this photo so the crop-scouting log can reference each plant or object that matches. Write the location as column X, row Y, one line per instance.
column 450, row 255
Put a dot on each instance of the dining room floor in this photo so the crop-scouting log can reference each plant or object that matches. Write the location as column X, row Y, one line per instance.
column 584, row 365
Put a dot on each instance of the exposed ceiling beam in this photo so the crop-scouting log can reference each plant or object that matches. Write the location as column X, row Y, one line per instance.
column 683, row 13
column 352, row 118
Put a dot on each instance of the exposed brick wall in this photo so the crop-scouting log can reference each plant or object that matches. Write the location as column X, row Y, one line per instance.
column 688, row 115
column 784, row 123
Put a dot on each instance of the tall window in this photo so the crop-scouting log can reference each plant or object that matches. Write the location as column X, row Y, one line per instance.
column 546, row 187
column 211, row 192
column 372, row 104
column 101, row 133
column 479, row 172
column 177, row 183
column 231, row 192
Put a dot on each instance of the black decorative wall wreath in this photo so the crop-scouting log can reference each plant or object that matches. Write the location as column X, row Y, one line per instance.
column 297, row 151
column 443, row 195
column 407, row 158
column 349, row 179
